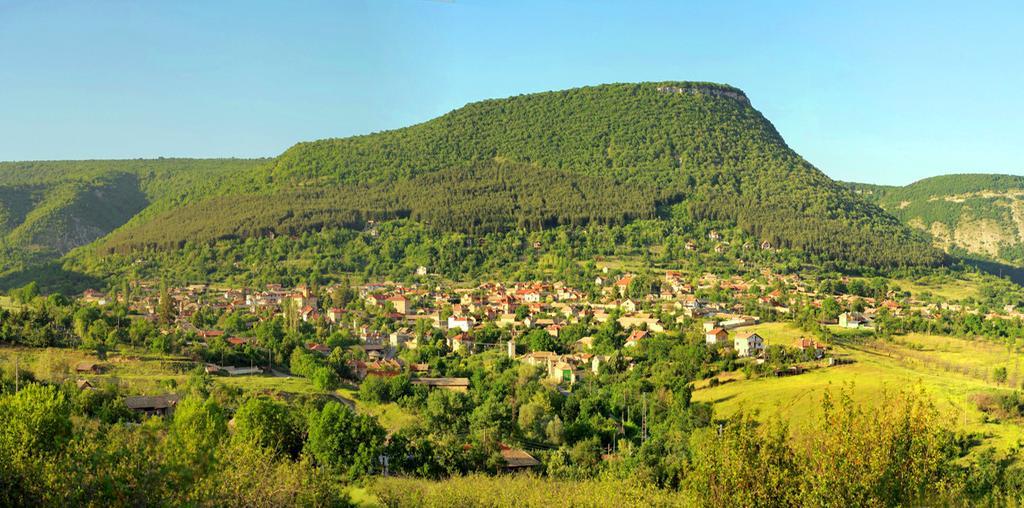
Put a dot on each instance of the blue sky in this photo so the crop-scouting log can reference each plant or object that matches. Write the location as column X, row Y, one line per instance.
column 885, row 92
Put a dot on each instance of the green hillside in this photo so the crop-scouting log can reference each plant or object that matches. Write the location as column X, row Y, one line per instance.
column 982, row 215
column 49, row 208
column 608, row 154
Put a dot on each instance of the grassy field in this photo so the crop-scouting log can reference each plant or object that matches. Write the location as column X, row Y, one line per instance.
column 516, row 490
column 952, row 289
column 363, row 498
column 138, row 371
column 950, row 370
column 774, row 334
column 7, row 303
column 391, row 416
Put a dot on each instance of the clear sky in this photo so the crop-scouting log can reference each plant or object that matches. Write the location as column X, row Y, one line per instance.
column 882, row 92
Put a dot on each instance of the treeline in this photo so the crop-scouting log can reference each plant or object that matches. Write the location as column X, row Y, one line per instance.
column 484, row 198
column 395, row 249
column 60, row 446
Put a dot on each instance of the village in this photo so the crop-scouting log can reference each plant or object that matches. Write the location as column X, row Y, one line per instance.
column 385, row 319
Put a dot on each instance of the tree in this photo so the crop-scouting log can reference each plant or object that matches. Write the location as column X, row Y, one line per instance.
column 830, row 308
column 165, row 306
column 374, row 389
column 540, row 340
column 343, row 440
column 196, row 431
column 999, row 374
column 325, row 379
column 25, row 294
column 263, row 422
column 35, row 420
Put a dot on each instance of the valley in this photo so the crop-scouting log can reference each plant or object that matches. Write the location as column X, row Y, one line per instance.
column 556, row 291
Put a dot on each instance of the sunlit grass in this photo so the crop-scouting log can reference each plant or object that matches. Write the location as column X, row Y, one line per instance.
column 950, row 376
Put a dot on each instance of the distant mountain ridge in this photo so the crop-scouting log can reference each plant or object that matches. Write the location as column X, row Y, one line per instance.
column 977, row 214
column 48, row 208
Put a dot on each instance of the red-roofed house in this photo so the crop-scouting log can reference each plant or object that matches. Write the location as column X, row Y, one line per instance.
column 716, row 336
column 635, row 338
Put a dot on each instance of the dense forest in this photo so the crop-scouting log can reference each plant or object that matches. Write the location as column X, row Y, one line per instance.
column 598, row 156
column 701, row 141
column 484, row 198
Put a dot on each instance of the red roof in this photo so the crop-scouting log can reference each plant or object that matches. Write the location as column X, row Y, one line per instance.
column 637, row 335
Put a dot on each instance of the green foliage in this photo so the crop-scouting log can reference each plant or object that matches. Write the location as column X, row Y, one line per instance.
column 479, row 198
column 268, row 424
column 896, row 454
column 344, row 441
column 35, row 420
column 380, row 390
column 48, row 208
column 523, row 490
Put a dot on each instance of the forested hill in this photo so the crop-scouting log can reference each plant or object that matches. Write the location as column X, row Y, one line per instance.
column 606, row 154
column 978, row 214
column 48, row 208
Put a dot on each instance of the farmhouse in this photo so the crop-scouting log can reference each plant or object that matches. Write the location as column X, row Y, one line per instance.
column 635, row 338
column 455, row 384
column 400, row 304
column 156, row 405
column 89, row 367
column 716, row 336
column 748, row 344
column 852, row 320
column 517, row 460
column 805, row 344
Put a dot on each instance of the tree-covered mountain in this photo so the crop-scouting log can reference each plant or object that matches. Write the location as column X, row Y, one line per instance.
column 976, row 214
column 607, row 154
column 631, row 163
column 48, row 208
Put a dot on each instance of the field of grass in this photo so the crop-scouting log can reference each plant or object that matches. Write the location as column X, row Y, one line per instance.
column 7, row 303
column 948, row 369
column 391, row 416
column 774, row 334
column 518, row 490
column 949, row 289
column 138, row 371
column 363, row 498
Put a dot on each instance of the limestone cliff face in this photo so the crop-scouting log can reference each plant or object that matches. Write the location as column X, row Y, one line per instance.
column 979, row 214
column 713, row 91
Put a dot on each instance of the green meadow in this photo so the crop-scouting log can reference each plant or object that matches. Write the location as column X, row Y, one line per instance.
column 951, row 370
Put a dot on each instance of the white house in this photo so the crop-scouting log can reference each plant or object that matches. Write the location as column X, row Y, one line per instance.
column 462, row 323
column 852, row 320
column 748, row 344
column 715, row 336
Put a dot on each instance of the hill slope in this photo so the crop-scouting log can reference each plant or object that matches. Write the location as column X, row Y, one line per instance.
column 49, row 208
column 976, row 213
column 607, row 154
